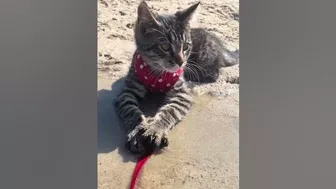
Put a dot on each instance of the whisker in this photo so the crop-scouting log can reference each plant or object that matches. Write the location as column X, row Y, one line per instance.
column 153, row 73
column 197, row 66
column 194, row 73
column 193, row 67
column 189, row 73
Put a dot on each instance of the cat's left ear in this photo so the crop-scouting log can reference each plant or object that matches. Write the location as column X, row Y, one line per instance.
column 186, row 15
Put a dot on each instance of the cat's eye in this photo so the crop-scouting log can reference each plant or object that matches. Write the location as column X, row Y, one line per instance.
column 165, row 46
column 185, row 46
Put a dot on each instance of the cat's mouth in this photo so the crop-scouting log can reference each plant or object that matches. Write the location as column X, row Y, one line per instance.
column 175, row 68
column 171, row 68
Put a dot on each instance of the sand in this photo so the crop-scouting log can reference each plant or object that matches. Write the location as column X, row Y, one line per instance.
column 204, row 149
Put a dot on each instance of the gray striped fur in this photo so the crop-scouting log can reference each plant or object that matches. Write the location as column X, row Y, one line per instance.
column 146, row 134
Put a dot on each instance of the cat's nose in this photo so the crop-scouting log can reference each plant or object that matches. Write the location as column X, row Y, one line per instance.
column 179, row 59
column 179, row 63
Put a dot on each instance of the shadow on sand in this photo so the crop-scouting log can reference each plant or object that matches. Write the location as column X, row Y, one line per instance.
column 111, row 135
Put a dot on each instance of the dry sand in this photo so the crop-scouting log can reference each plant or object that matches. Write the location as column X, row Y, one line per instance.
column 204, row 149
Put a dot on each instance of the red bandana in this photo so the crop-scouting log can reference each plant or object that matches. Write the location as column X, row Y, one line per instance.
column 155, row 83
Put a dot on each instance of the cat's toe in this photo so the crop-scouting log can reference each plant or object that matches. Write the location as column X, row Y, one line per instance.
column 164, row 142
column 156, row 138
column 134, row 142
column 146, row 139
column 135, row 146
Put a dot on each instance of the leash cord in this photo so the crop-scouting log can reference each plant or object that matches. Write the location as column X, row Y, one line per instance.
column 137, row 170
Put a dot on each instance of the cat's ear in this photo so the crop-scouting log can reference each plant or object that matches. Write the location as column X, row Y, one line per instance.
column 186, row 15
column 145, row 15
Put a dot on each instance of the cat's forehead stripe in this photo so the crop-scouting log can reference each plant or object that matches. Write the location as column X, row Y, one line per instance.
column 172, row 36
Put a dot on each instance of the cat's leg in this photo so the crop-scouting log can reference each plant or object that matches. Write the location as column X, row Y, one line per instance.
column 212, row 76
column 127, row 107
column 152, row 132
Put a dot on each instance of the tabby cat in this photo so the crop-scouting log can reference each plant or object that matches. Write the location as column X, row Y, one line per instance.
column 168, row 54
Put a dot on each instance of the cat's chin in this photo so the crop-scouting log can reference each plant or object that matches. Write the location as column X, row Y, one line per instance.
column 173, row 69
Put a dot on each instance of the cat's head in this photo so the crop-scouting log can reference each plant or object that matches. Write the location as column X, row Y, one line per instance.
column 164, row 40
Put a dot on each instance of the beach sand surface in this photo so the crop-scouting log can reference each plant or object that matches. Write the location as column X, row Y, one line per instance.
column 203, row 151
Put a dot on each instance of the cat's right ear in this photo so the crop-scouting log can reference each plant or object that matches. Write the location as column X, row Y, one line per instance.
column 186, row 15
column 145, row 15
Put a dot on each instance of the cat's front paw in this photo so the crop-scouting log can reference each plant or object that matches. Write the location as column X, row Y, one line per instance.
column 146, row 138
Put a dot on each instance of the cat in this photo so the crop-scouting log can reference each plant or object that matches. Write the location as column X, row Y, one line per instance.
column 169, row 53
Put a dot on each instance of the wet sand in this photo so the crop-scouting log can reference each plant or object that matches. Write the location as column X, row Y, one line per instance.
column 203, row 151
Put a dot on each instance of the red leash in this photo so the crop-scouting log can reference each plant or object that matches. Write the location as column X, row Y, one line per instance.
column 137, row 169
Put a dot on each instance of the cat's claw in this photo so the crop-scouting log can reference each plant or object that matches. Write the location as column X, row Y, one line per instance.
column 146, row 138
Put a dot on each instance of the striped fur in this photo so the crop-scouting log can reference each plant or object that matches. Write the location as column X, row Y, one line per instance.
column 147, row 134
column 199, row 52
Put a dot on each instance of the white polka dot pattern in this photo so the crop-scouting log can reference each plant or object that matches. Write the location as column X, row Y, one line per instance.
column 155, row 83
